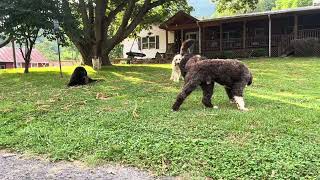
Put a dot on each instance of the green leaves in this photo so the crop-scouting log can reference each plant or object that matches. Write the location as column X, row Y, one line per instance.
column 286, row 4
column 231, row 7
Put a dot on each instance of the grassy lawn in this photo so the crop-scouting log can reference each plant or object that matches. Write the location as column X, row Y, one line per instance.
column 127, row 119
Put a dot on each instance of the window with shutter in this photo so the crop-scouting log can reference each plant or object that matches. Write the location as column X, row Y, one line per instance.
column 152, row 42
column 145, row 44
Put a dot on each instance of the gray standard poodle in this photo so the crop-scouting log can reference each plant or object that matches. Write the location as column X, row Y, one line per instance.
column 232, row 74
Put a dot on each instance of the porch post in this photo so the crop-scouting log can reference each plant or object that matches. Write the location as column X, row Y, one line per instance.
column 270, row 36
column 221, row 37
column 295, row 30
column 167, row 40
column 244, row 34
column 182, row 36
column 200, row 38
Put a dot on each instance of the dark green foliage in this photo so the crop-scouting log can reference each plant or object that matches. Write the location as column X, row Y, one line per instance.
column 23, row 20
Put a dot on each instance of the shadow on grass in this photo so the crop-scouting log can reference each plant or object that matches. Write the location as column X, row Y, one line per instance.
column 142, row 80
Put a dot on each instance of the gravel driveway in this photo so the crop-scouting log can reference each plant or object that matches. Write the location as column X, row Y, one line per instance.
column 14, row 166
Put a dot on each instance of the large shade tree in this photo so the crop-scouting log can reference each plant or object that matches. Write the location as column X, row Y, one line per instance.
column 25, row 21
column 98, row 26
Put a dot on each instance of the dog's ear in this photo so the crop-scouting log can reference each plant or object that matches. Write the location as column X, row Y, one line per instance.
column 187, row 47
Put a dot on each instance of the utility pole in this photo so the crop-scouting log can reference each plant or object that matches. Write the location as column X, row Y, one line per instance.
column 56, row 30
column 14, row 54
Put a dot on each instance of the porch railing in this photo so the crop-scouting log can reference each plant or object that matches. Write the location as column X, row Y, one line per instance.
column 282, row 41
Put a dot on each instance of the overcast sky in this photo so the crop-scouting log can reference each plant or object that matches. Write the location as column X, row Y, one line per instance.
column 203, row 8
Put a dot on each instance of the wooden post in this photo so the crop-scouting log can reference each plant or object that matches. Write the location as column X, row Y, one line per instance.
column 221, row 36
column 270, row 36
column 167, row 41
column 14, row 54
column 200, row 39
column 244, row 34
column 295, row 29
column 182, row 36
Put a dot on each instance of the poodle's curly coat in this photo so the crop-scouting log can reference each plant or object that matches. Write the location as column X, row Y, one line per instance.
column 232, row 74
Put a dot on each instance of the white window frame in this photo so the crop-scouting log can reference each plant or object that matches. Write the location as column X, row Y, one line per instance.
column 149, row 44
column 153, row 42
column 145, row 44
column 189, row 34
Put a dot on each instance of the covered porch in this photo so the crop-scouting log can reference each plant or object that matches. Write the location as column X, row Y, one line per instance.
column 256, row 34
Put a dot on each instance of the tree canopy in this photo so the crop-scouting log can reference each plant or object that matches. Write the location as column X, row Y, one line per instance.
column 96, row 27
column 286, row 4
column 25, row 20
column 232, row 7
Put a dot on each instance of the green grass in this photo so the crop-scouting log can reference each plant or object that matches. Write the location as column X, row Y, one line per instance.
column 132, row 123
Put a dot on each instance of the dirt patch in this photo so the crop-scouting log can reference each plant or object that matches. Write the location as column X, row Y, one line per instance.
column 16, row 166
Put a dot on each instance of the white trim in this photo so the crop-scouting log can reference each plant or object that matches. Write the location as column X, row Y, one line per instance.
column 270, row 36
column 188, row 34
column 148, row 42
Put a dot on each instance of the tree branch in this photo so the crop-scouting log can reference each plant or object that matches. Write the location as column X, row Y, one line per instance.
column 113, row 14
column 7, row 41
column 147, row 6
column 84, row 16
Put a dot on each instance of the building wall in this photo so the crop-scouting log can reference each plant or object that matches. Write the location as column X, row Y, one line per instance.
column 9, row 65
column 150, row 53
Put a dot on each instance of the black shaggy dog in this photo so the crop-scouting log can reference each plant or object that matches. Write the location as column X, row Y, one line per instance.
column 232, row 74
column 80, row 77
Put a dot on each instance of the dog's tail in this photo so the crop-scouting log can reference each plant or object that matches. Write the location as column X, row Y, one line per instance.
column 250, row 79
column 186, row 46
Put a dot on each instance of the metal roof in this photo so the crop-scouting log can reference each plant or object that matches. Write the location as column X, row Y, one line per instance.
column 266, row 13
column 6, row 55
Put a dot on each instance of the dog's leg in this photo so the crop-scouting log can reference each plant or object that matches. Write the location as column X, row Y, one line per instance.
column 230, row 95
column 172, row 72
column 175, row 74
column 186, row 91
column 240, row 103
column 172, row 75
column 237, row 91
column 207, row 94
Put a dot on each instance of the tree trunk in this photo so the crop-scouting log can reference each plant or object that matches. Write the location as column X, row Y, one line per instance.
column 86, row 53
column 105, row 59
column 26, row 68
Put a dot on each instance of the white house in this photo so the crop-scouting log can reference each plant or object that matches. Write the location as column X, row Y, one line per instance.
column 149, row 42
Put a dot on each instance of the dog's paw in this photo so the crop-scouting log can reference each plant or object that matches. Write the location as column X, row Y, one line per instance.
column 215, row 107
column 174, row 109
column 244, row 109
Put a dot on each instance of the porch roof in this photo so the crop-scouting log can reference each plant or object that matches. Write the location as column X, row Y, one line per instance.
column 301, row 10
column 180, row 20
column 185, row 21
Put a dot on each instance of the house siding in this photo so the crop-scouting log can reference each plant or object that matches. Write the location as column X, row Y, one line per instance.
column 150, row 53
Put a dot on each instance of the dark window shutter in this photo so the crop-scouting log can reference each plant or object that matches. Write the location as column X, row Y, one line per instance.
column 139, row 43
column 157, row 42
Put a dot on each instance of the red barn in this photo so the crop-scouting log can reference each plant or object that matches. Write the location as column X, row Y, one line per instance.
column 6, row 59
